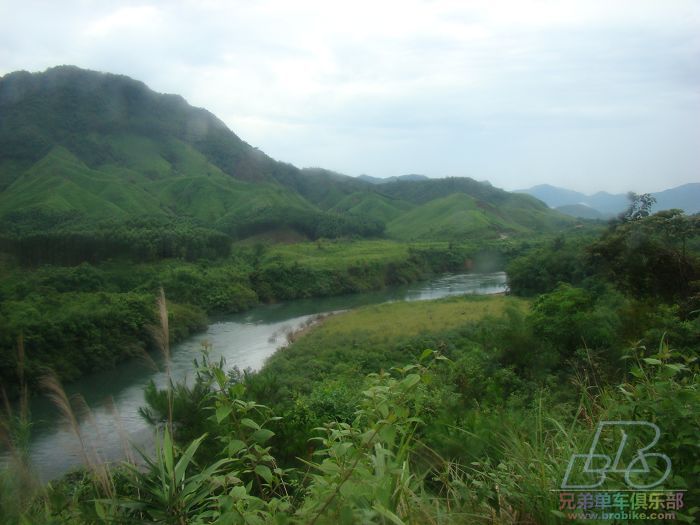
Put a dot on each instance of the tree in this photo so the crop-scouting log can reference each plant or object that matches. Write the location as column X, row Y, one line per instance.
column 648, row 256
column 639, row 207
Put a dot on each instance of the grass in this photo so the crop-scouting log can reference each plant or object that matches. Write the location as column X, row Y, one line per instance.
column 408, row 319
column 371, row 338
column 331, row 254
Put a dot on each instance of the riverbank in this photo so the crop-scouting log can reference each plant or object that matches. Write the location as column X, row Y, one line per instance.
column 83, row 319
column 244, row 340
column 374, row 337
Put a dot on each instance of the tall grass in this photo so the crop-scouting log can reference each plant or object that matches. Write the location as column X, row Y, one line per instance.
column 161, row 333
column 18, row 483
column 88, row 448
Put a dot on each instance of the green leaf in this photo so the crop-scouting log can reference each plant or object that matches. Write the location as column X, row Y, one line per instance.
column 223, row 412
column 264, row 472
column 168, row 451
column 246, row 422
column 220, row 377
column 262, row 435
column 652, row 361
column 388, row 514
column 238, row 492
column 100, row 510
column 410, row 381
column 186, row 458
column 234, row 446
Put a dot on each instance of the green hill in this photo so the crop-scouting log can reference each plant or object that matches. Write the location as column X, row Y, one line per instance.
column 462, row 215
column 78, row 147
column 369, row 203
column 60, row 182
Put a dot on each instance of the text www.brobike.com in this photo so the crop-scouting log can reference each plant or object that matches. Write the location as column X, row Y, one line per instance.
column 623, row 515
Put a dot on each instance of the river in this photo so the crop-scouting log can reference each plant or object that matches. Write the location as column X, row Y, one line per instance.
column 245, row 340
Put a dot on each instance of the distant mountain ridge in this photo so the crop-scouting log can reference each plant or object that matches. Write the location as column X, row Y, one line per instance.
column 580, row 210
column 79, row 146
column 685, row 197
column 385, row 180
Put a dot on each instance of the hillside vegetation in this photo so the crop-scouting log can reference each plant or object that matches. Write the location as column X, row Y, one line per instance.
column 79, row 146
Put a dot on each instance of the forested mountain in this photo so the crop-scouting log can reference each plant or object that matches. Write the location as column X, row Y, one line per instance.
column 82, row 153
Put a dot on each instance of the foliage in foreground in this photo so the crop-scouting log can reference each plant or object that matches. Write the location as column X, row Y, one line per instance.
column 416, row 449
column 480, row 432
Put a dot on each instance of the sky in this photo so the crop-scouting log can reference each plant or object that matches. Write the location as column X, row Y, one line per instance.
column 585, row 94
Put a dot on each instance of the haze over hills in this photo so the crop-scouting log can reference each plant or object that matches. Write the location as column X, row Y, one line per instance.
column 380, row 180
column 605, row 205
column 78, row 146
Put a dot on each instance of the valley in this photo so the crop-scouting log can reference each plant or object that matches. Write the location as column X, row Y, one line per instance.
column 484, row 336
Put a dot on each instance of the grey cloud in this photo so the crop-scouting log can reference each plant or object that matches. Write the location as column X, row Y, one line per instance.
column 595, row 96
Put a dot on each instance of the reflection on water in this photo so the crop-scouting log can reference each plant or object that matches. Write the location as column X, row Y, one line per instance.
column 244, row 340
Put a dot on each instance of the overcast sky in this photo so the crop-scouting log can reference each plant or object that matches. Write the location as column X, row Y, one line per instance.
column 590, row 95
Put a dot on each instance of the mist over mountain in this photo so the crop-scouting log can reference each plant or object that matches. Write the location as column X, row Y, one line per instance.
column 380, row 180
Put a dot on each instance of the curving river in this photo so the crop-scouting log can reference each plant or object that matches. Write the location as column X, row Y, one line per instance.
column 244, row 340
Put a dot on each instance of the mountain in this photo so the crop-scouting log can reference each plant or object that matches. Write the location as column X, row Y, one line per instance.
column 580, row 210
column 95, row 145
column 554, row 196
column 83, row 152
column 685, row 197
column 606, row 204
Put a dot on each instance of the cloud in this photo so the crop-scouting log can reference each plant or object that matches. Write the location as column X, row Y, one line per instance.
column 597, row 95
column 125, row 19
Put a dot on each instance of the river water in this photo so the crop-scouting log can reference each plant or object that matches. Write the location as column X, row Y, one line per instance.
column 245, row 340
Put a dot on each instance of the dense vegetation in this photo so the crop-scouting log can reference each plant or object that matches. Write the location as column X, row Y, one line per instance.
column 464, row 410
column 83, row 318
